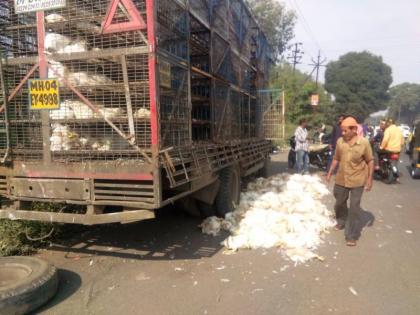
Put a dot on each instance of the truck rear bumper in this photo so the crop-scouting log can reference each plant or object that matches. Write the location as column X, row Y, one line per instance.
column 75, row 218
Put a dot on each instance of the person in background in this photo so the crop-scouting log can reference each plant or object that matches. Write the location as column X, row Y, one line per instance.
column 354, row 159
column 415, row 142
column 360, row 131
column 380, row 133
column 302, row 147
column 365, row 128
column 336, row 134
column 392, row 141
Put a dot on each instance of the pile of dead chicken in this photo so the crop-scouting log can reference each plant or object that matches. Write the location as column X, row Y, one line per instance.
column 284, row 211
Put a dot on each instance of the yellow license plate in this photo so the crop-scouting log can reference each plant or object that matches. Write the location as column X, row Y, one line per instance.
column 44, row 94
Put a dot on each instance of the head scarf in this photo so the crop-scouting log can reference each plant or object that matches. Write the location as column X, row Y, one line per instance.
column 349, row 122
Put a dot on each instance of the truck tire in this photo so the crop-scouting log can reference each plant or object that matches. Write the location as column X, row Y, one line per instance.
column 229, row 190
column 189, row 206
column 26, row 283
column 205, row 209
column 263, row 172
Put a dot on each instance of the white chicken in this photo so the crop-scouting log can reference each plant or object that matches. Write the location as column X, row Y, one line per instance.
column 142, row 113
column 281, row 211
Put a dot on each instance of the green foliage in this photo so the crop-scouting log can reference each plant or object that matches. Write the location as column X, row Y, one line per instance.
column 359, row 83
column 13, row 239
column 276, row 22
column 298, row 88
column 14, row 234
column 404, row 102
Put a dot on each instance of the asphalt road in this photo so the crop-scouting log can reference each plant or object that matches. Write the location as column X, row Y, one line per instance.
column 166, row 266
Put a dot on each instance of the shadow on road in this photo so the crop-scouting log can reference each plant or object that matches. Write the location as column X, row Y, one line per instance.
column 277, row 167
column 367, row 218
column 172, row 235
column 68, row 283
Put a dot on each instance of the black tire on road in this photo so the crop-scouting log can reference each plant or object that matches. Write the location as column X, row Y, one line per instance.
column 415, row 172
column 390, row 177
column 229, row 191
column 26, row 283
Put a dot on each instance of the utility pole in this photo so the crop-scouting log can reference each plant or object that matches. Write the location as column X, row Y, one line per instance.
column 296, row 55
column 317, row 65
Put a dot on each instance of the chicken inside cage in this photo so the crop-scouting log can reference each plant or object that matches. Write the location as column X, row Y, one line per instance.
column 210, row 63
column 77, row 125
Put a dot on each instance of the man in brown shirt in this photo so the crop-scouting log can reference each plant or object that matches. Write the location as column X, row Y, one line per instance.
column 354, row 156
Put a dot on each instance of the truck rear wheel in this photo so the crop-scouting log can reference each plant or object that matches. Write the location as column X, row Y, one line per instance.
column 264, row 172
column 229, row 190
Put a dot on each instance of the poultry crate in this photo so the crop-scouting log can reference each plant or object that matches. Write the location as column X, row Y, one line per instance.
column 156, row 97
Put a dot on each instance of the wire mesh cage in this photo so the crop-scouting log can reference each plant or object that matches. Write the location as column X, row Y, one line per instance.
column 89, row 64
column 270, row 113
column 211, row 60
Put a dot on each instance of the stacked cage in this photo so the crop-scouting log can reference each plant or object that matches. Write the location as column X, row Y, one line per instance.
column 104, row 109
column 219, row 43
column 211, row 61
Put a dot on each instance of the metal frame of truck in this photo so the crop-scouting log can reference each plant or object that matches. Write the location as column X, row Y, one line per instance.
column 163, row 163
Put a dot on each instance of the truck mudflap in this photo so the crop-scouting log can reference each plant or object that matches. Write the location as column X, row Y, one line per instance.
column 90, row 218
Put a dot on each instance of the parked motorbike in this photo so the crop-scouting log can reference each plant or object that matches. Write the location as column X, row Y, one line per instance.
column 291, row 159
column 318, row 155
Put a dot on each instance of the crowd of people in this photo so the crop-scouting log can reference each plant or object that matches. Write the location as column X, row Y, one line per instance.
column 355, row 151
column 387, row 139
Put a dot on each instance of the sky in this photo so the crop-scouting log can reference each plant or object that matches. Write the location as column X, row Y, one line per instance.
column 388, row 28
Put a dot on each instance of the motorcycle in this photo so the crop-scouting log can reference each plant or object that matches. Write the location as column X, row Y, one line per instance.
column 388, row 168
column 318, row 155
column 291, row 158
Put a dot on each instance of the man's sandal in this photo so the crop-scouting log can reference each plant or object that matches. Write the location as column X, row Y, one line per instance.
column 338, row 227
column 351, row 243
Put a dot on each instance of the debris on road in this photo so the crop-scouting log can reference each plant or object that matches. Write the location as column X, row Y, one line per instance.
column 257, row 290
column 225, row 280
column 409, row 232
column 142, row 277
column 353, row 291
column 283, row 210
column 212, row 226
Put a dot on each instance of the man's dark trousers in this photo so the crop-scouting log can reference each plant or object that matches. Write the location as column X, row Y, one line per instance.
column 349, row 217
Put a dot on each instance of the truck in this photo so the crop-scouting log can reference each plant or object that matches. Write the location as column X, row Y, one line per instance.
column 121, row 107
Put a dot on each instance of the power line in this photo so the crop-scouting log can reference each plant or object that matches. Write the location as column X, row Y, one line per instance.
column 305, row 24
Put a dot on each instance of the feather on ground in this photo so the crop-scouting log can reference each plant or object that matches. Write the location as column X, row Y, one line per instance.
column 283, row 211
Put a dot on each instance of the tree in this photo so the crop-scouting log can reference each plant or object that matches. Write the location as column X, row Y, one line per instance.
column 404, row 103
column 276, row 22
column 298, row 90
column 359, row 82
